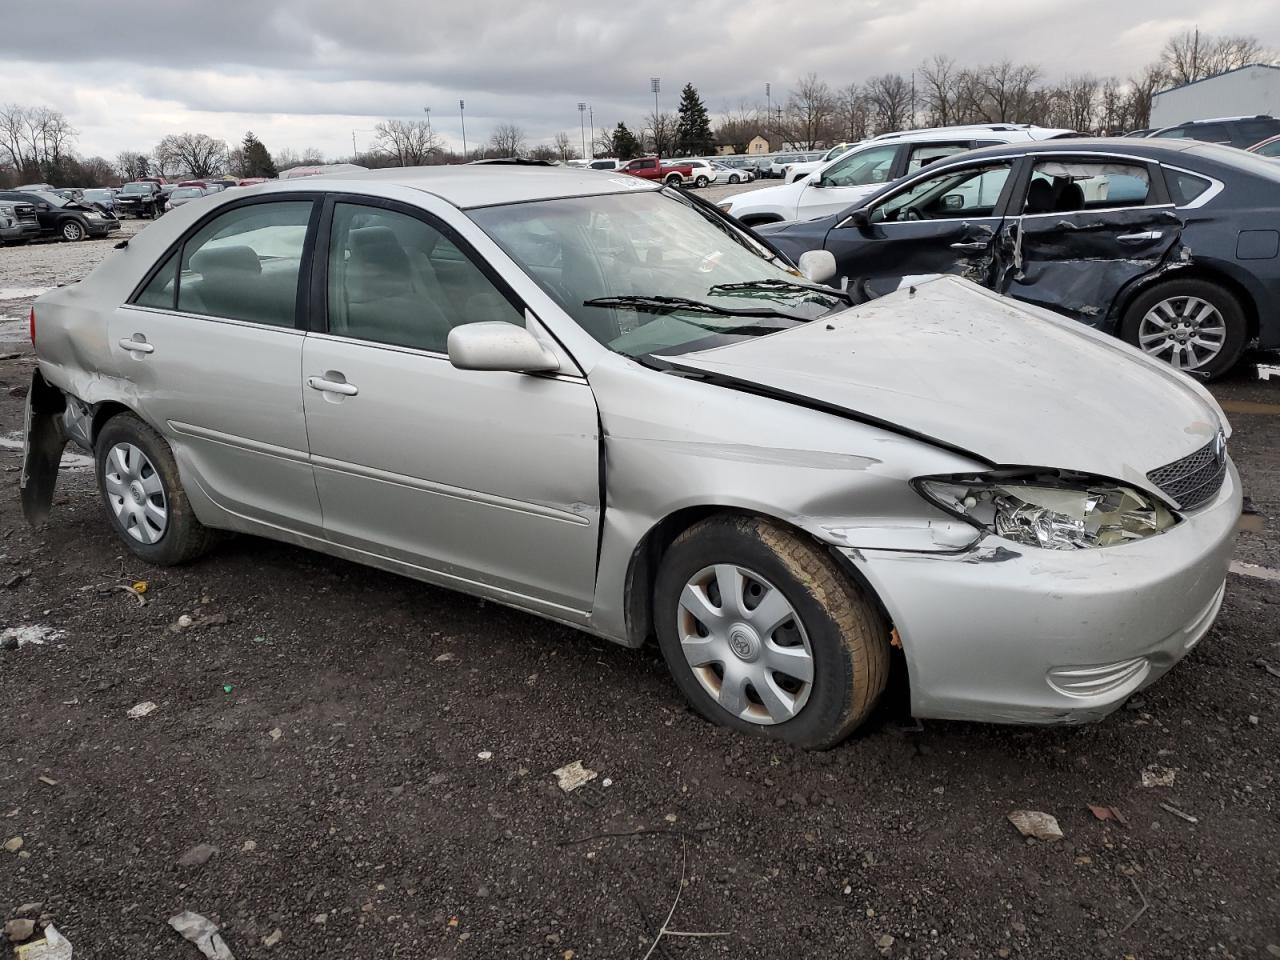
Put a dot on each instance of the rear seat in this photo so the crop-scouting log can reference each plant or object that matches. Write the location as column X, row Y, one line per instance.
column 233, row 284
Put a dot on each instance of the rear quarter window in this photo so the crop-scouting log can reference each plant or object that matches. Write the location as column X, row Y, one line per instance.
column 1185, row 187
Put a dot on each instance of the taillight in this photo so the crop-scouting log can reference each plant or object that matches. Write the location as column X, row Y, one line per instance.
column 33, row 325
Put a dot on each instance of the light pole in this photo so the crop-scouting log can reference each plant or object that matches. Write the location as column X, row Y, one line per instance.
column 427, row 110
column 768, row 99
column 591, row 119
column 462, row 114
column 582, row 131
column 655, row 84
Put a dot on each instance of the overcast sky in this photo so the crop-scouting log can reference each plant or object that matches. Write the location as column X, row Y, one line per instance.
column 311, row 72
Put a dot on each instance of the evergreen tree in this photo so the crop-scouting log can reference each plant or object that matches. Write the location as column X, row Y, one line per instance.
column 257, row 160
column 693, row 129
column 625, row 144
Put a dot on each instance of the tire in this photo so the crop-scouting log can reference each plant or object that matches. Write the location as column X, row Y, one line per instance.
column 673, row 180
column 842, row 632
column 734, row 178
column 72, row 231
column 701, row 181
column 1216, row 317
column 130, row 458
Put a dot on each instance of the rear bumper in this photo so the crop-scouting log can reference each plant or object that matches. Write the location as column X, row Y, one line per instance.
column 1014, row 634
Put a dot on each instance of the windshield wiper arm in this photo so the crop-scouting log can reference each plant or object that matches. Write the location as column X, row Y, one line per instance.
column 780, row 283
column 661, row 304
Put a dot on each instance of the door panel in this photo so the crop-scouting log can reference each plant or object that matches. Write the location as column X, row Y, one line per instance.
column 481, row 476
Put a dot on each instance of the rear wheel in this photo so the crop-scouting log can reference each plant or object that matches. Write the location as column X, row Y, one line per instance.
column 72, row 230
column 138, row 480
column 702, row 181
column 1192, row 325
column 673, row 180
column 734, row 178
column 763, row 632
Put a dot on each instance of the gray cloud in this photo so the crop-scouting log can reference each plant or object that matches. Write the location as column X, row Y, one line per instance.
column 322, row 68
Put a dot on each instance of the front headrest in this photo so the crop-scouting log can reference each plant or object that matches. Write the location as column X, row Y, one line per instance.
column 238, row 259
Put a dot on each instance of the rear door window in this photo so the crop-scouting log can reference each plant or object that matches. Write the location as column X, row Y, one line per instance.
column 244, row 264
column 1072, row 186
column 1209, row 132
column 1249, row 132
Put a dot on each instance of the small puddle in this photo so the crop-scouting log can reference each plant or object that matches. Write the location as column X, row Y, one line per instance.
column 1243, row 569
column 1250, row 406
column 21, row 293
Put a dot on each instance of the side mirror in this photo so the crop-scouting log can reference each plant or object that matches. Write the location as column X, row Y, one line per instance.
column 953, row 201
column 818, row 266
column 497, row 345
column 859, row 219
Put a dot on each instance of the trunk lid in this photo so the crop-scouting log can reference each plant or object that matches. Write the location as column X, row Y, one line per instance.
column 959, row 365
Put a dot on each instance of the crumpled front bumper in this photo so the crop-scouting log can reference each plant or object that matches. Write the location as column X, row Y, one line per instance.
column 1014, row 634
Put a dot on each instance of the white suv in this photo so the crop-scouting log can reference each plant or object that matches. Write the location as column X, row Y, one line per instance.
column 794, row 171
column 851, row 177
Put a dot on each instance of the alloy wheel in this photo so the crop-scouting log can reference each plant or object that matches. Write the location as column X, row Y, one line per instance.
column 745, row 644
column 1186, row 332
column 135, row 493
column 72, row 231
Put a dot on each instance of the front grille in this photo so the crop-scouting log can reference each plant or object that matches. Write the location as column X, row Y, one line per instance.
column 1194, row 479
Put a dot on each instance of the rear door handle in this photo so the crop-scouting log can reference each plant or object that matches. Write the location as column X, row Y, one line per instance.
column 975, row 245
column 333, row 386
column 137, row 344
column 1141, row 237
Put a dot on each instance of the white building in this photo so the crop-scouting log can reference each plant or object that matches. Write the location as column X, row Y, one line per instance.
column 1245, row 91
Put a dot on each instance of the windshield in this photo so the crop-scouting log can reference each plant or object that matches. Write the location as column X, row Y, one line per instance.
column 137, row 188
column 186, row 192
column 52, row 199
column 639, row 246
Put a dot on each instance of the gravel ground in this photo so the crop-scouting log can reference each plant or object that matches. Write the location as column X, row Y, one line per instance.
column 372, row 760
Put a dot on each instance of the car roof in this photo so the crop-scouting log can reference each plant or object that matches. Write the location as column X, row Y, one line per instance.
column 479, row 185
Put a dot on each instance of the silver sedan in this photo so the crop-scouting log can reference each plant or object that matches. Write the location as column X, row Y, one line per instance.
column 601, row 401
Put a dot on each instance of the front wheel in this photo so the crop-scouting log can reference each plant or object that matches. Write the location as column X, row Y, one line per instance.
column 72, row 230
column 763, row 633
column 1192, row 325
column 148, row 509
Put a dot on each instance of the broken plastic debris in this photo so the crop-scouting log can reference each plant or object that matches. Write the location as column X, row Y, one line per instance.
column 203, row 932
column 272, row 938
column 574, row 775
column 53, row 946
column 275, row 733
column 1179, row 813
column 1033, row 823
column 484, row 755
column 139, row 586
column 141, row 710
column 47, row 781
column 1108, row 813
column 13, row 845
column 36, row 634
column 445, row 657
column 227, row 688
column 1158, row 776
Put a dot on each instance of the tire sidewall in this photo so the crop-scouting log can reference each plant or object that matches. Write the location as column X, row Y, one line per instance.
column 1226, row 302
column 735, row 179
column 828, row 702
column 73, row 231
column 701, row 182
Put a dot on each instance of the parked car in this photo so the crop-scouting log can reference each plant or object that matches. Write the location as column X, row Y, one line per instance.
column 705, row 172
column 18, row 222
column 65, row 219
column 799, row 170
column 1269, row 148
column 782, row 165
column 862, row 171
column 102, row 198
column 142, row 198
column 605, row 163
column 668, row 172
column 727, row 173
column 1172, row 245
column 633, row 445
column 184, row 195
column 1241, row 132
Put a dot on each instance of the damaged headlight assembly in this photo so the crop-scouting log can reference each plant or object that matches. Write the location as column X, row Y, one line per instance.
column 1050, row 510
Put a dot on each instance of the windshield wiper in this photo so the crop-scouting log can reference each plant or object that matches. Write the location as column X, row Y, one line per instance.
column 781, row 283
column 661, row 304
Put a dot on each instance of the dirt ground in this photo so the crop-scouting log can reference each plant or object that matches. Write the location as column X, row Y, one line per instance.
column 372, row 759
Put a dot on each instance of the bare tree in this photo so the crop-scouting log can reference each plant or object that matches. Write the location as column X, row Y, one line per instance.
column 810, row 113
column 1142, row 90
column 131, row 165
column 853, row 119
column 1079, row 102
column 195, row 153
column 889, row 99
column 34, row 138
column 739, row 126
column 1007, row 87
column 661, row 128
column 563, row 146
column 1191, row 55
column 942, row 81
column 507, row 140
column 409, row 143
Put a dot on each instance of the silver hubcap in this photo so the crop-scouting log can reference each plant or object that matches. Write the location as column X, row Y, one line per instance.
column 135, row 493
column 71, row 231
column 1185, row 331
column 745, row 644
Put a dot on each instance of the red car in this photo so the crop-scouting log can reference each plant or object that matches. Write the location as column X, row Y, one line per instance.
column 651, row 168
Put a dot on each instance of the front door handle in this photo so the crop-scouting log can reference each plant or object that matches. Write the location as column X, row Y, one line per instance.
column 137, row 344
column 333, row 386
column 1141, row 237
column 975, row 246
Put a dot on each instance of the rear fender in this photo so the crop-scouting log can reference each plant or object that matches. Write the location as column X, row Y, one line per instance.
column 45, row 440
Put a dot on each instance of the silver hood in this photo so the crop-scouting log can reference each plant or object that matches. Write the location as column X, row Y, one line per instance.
column 961, row 366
